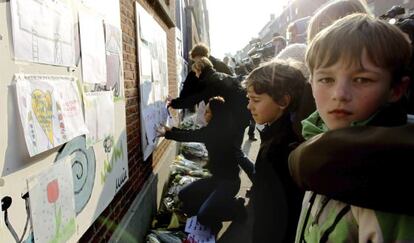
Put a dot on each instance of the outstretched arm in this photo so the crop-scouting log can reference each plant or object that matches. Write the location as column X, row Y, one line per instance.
column 186, row 135
column 371, row 167
column 192, row 99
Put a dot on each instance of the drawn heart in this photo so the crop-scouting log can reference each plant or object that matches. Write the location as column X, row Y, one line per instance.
column 42, row 108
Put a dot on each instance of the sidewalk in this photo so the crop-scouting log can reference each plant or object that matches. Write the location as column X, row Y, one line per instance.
column 233, row 232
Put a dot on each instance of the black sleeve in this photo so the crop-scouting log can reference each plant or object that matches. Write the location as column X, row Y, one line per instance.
column 246, row 164
column 186, row 135
column 191, row 100
column 190, row 85
column 370, row 167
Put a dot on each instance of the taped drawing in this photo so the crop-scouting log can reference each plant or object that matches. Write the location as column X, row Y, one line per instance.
column 113, row 58
column 43, row 31
column 99, row 116
column 93, row 48
column 50, row 110
column 52, row 203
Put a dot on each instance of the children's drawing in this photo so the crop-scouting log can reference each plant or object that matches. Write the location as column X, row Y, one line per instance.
column 92, row 48
column 52, row 204
column 83, row 169
column 50, row 110
column 154, row 115
column 99, row 116
column 42, row 109
column 113, row 58
column 43, row 31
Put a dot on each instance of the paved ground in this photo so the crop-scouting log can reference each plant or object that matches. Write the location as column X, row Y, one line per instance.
column 236, row 232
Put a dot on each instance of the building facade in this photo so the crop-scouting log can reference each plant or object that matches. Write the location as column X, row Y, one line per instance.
column 129, row 215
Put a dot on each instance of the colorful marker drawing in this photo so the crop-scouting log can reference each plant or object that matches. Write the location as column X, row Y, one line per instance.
column 42, row 108
column 50, row 110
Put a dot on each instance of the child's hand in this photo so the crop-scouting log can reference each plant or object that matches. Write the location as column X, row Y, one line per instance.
column 162, row 129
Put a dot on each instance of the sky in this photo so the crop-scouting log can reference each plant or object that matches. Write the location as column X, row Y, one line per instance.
column 233, row 23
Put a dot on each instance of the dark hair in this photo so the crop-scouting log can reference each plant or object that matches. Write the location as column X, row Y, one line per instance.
column 278, row 78
column 217, row 106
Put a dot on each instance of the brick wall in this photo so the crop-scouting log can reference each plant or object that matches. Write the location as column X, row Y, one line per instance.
column 139, row 170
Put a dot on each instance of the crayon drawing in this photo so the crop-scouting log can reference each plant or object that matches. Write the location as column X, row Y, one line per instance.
column 50, row 110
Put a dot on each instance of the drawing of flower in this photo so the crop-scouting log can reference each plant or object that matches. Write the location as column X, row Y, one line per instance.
column 53, row 191
column 52, row 197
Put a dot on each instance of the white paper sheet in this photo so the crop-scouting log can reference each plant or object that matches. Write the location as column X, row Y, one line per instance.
column 146, row 91
column 145, row 61
column 43, row 31
column 145, row 26
column 99, row 116
column 92, row 48
column 52, row 204
column 156, row 75
column 153, row 116
column 113, row 58
column 198, row 233
column 50, row 110
column 108, row 9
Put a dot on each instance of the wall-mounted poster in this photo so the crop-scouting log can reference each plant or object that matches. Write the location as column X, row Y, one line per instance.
column 43, row 31
column 152, row 57
column 50, row 110
column 52, row 205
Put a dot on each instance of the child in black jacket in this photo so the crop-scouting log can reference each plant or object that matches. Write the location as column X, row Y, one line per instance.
column 212, row 199
column 274, row 90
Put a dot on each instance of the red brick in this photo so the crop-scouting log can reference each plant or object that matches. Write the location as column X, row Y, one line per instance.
column 139, row 170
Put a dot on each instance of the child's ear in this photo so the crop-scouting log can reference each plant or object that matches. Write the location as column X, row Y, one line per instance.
column 399, row 89
column 284, row 102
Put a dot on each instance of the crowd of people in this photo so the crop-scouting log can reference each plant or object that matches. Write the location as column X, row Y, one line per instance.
column 332, row 164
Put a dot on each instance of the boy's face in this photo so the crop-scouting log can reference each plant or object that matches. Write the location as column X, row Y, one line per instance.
column 345, row 94
column 263, row 108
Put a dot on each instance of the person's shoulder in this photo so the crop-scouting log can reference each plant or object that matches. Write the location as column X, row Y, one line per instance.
column 219, row 65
